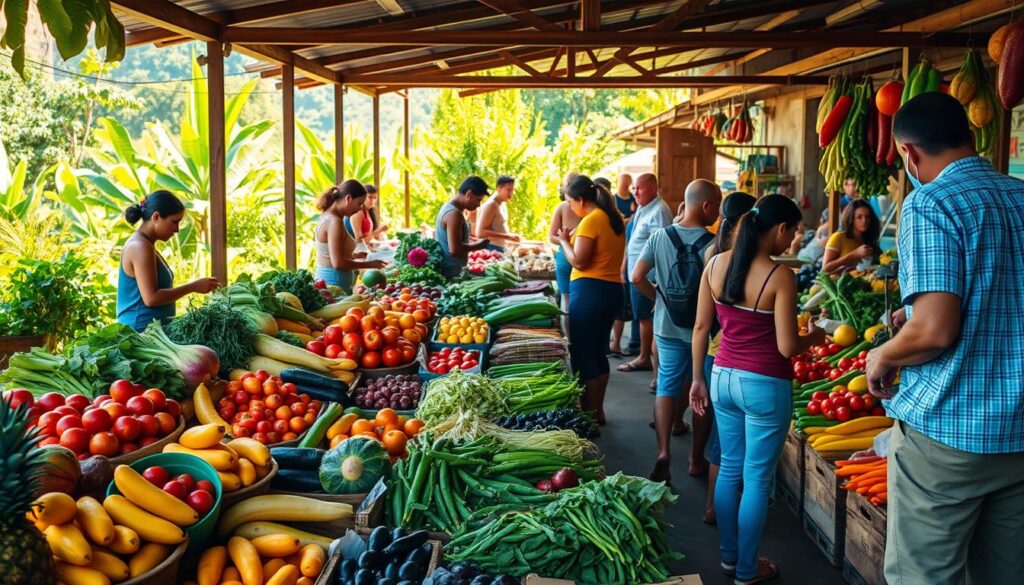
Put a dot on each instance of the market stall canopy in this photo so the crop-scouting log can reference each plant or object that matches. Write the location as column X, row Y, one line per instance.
column 385, row 45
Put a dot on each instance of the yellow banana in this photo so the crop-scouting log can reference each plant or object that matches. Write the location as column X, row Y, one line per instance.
column 252, row 450
column 150, row 527
column 204, row 436
column 110, row 565
column 95, row 521
column 246, row 472
column 276, row 545
column 126, row 541
column 230, row 482
column 253, row 530
column 151, row 498
column 246, row 559
column 220, row 460
column 281, row 507
column 211, row 565
column 73, row 575
column 149, row 556
column 55, row 508
column 206, row 412
column 68, row 544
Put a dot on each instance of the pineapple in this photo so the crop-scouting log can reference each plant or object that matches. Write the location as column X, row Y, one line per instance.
column 25, row 557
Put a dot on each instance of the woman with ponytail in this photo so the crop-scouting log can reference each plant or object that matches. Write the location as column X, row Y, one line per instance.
column 755, row 303
column 335, row 257
column 145, row 283
column 595, row 252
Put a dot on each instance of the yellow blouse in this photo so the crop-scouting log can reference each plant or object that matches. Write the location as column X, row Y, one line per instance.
column 606, row 263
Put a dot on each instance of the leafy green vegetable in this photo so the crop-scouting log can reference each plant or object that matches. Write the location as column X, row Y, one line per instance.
column 290, row 338
column 852, row 300
column 55, row 298
column 222, row 328
column 262, row 296
column 457, row 391
column 97, row 359
column 423, row 275
column 408, row 241
column 299, row 283
column 460, row 300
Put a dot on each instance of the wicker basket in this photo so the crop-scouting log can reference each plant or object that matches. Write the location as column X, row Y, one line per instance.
column 166, row 573
column 259, row 488
column 152, row 449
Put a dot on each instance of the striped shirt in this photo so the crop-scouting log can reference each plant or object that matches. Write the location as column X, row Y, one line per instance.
column 963, row 234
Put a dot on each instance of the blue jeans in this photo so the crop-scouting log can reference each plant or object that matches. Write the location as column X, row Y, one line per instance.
column 593, row 305
column 713, row 452
column 343, row 278
column 753, row 413
column 674, row 366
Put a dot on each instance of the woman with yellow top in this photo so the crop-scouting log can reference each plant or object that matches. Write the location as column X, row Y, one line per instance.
column 857, row 241
column 595, row 288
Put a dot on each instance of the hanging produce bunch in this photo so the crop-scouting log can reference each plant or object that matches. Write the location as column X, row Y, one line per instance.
column 739, row 128
column 853, row 135
column 973, row 89
column 1006, row 47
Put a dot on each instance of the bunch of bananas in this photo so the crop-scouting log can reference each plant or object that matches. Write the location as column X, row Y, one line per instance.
column 922, row 79
column 973, row 89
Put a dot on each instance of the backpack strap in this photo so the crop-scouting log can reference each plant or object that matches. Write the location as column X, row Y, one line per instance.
column 673, row 234
column 702, row 243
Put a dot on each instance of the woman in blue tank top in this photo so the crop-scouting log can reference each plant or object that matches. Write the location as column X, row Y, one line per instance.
column 145, row 283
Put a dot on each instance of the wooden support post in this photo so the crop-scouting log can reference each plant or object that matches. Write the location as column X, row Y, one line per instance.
column 288, row 130
column 834, row 200
column 1001, row 151
column 570, row 62
column 339, row 133
column 405, row 152
column 376, row 140
column 218, row 162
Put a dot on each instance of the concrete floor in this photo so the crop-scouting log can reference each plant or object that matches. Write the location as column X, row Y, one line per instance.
column 629, row 445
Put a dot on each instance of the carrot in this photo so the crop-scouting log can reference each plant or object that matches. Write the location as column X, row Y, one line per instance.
column 860, row 461
column 851, row 470
column 882, row 499
column 863, row 490
column 878, row 488
column 876, row 501
column 872, row 477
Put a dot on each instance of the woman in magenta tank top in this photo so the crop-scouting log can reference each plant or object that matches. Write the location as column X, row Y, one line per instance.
column 755, row 302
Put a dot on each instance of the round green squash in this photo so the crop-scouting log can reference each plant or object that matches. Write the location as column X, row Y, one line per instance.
column 372, row 278
column 354, row 466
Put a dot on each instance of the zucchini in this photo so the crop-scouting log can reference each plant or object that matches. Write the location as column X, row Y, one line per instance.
column 308, row 378
column 521, row 310
column 298, row 458
column 297, row 480
column 315, row 435
column 323, row 394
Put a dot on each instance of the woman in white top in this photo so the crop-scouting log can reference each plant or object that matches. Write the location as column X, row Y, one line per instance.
column 335, row 260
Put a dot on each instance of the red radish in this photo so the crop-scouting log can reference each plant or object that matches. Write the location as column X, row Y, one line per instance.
column 156, row 475
column 176, row 489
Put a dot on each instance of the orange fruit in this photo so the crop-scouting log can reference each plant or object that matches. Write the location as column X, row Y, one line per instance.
column 402, row 419
column 337, row 439
column 413, row 426
column 362, row 426
column 391, row 322
column 421, row 315
column 395, row 427
column 356, row 312
column 407, row 321
column 394, row 442
column 385, row 417
column 349, row 323
column 412, row 335
column 377, row 313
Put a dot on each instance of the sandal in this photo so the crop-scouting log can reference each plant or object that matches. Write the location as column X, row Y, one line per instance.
column 761, row 577
column 614, row 353
column 634, row 367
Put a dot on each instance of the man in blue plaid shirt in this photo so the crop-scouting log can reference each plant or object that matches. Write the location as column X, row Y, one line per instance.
column 956, row 458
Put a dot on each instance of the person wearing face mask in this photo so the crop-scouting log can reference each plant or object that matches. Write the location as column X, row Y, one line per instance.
column 336, row 261
column 856, row 242
column 594, row 249
column 145, row 282
column 750, row 388
column 955, row 488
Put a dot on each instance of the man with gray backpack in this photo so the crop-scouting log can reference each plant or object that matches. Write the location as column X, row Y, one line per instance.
column 676, row 254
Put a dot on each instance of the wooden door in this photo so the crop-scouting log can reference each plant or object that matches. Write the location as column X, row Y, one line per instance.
column 682, row 155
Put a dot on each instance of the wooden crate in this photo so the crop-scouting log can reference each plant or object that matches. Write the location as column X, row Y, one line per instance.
column 789, row 476
column 864, row 556
column 824, row 515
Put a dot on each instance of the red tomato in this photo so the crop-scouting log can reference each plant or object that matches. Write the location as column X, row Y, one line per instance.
column 333, row 334
column 262, row 376
column 819, row 395
column 371, row 359
column 48, row 422
column 835, row 374
column 814, row 408
column 317, row 347
column 127, row 428
column 274, row 401
column 857, row 404
column 373, row 340
column 105, row 444
column 241, row 398
column 167, row 423
column 176, row 488
column 287, row 389
column 97, row 420
column 869, row 402
column 863, row 355
column 156, row 475
column 68, row 422
column 845, row 363
column 252, row 385
column 122, row 390
column 297, row 424
column 391, row 335
column 332, row 351
column 298, row 409
column 826, row 404
column 200, row 501
column 206, row 486
column 829, row 414
column 353, row 343
column 270, row 387
column 877, row 411
column 408, row 354
column 77, row 401
column 157, row 397
column 150, row 426
column 468, row 364
column 75, row 439
column 173, row 408
column 249, row 424
column 843, row 414
column 139, row 405
column 52, row 400
column 261, row 437
column 283, row 413
column 391, row 357
column 264, row 426
column 281, row 427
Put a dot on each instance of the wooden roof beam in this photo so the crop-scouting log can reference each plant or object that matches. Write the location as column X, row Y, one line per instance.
column 171, row 17
column 779, row 19
column 529, row 82
column 519, row 12
column 585, row 39
column 590, row 16
column 517, row 62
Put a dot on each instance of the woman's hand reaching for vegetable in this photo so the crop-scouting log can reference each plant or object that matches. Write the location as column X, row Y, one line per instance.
column 375, row 264
column 204, row 285
column 699, row 397
column 864, row 251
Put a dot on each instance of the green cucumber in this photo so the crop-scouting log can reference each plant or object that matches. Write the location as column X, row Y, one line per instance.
column 316, row 432
column 297, row 480
column 297, row 458
column 310, row 378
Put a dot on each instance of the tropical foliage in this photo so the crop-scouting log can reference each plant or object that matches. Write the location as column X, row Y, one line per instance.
column 69, row 23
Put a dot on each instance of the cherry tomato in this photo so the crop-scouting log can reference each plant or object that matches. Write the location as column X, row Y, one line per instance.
column 829, row 414
column 843, row 414
column 857, row 404
column 819, row 395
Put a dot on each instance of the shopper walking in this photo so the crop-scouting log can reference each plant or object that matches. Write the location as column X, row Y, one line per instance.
column 755, row 303
column 451, row 228
column 492, row 219
column 956, row 492
column 145, row 282
column 651, row 215
column 595, row 251
column 336, row 259
column 734, row 206
column 857, row 242
column 676, row 256
column 563, row 217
